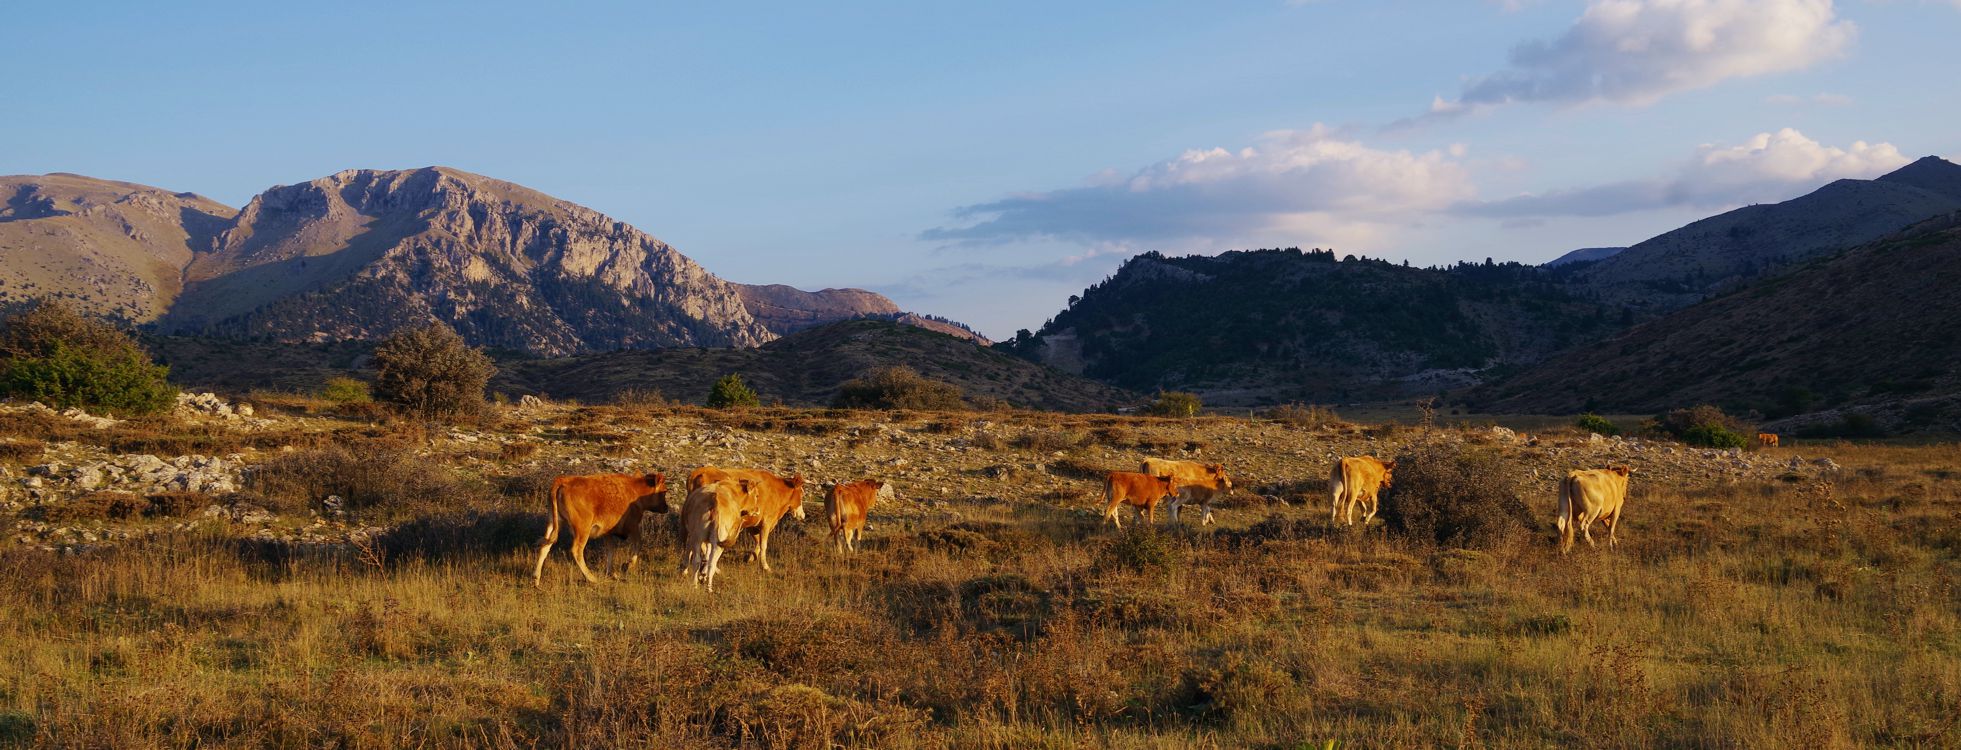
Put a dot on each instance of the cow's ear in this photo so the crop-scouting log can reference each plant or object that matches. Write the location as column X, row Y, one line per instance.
column 796, row 481
column 1389, row 464
column 878, row 485
column 744, row 485
column 1624, row 470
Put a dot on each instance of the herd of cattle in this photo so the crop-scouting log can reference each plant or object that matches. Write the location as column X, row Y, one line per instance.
column 723, row 504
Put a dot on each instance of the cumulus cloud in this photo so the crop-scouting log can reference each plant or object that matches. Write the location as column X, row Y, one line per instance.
column 1638, row 51
column 1311, row 183
column 1767, row 167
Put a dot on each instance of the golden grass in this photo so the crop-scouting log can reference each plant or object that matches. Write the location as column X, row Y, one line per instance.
column 1777, row 613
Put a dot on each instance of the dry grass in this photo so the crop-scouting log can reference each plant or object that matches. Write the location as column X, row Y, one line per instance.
column 1773, row 613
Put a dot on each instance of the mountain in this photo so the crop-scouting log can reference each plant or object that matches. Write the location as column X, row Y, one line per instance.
column 1870, row 328
column 1268, row 326
column 785, row 310
column 112, row 248
column 1582, row 255
column 363, row 253
column 807, row 367
column 1681, row 267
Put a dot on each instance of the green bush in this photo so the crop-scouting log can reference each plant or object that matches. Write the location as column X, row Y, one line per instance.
column 54, row 355
column 1176, row 404
column 1596, row 424
column 1454, row 495
column 899, row 388
column 431, row 373
column 1704, row 425
column 730, row 392
column 344, row 390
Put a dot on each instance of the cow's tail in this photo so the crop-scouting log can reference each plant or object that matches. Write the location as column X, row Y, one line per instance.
column 837, row 513
column 555, row 507
column 1564, row 518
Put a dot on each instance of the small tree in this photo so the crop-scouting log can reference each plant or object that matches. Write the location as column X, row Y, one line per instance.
column 730, row 392
column 1176, row 404
column 345, row 390
column 1704, row 425
column 898, row 388
column 55, row 355
column 431, row 373
column 1596, row 424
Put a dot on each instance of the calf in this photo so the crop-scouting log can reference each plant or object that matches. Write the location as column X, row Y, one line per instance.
column 599, row 505
column 847, row 504
column 1589, row 495
column 1358, row 481
column 712, row 517
column 1140, row 490
column 767, row 499
column 1193, row 481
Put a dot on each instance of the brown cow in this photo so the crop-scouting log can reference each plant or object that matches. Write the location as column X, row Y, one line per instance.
column 711, row 519
column 847, row 504
column 599, row 505
column 1140, row 490
column 768, row 498
column 1192, row 482
column 1589, row 495
column 1358, row 480
column 1767, row 439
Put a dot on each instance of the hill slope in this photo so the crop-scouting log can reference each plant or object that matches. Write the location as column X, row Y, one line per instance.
column 1723, row 252
column 362, row 253
column 806, row 368
column 1873, row 325
column 112, row 248
column 1282, row 325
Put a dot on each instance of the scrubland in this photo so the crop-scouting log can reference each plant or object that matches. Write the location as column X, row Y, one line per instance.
column 1753, row 601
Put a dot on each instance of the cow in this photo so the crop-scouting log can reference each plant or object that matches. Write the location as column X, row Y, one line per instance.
column 1143, row 491
column 1767, row 439
column 847, row 504
column 711, row 519
column 599, row 505
column 1192, row 482
column 1589, row 495
column 768, row 498
column 1358, row 481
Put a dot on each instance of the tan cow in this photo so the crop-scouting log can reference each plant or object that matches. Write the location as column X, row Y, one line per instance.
column 712, row 518
column 768, row 498
column 1192, row 482
column 599, row 505
column 1142, row 491
column 1589, row 495
column 1767, row 439
column 1358, row 481
column 847, row 504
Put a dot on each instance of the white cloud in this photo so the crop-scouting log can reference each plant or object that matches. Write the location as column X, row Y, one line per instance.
column 1767, row 167
column 1638, row 51
column 1312, row 185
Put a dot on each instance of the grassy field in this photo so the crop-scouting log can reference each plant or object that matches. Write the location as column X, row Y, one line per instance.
column 1768, row 607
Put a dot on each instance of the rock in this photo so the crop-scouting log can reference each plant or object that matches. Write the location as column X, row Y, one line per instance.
column 1503, row 433
column 244, row 410
column 1595, row 438
column 528, row 401
column 1825, row 463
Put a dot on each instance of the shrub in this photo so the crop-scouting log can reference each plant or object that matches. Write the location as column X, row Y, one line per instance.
column 1308, row 416
column 1446, row 493
column 369, row 479
column 1704, row 425
column 54, row 355
column 1175, row 404
column 1714, row 436
column 431, row 373
column 1596, row 424
column 730, row 392
column 345, row 390
column 899, row 388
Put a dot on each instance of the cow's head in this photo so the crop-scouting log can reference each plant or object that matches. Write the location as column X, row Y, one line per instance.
column 657, row 489
column 1388, row 471
column 1167, row 484
column 1622, row 470
column 796, row 496
column 1218, row 471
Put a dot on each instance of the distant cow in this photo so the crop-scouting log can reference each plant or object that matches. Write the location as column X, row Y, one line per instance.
column 1192, row 482
column 1767, row 439
column 1589, row 495
column 847, row 504
column 711, row 519
column 768, row 498
column 1141, row 491
column 1358, row 481
column 599, row 505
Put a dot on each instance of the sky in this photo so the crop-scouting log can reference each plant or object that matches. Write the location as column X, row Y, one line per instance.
column 984, row 161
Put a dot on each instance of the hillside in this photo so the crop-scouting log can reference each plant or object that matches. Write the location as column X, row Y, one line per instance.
column 1872, row 327
column 806, row 368
column 785, row 310
column 112, row 248
column 1582, row 255
column 1285, row 325
column 1723, row 252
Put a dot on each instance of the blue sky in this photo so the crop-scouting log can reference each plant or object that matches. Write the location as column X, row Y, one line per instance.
column 984, row 161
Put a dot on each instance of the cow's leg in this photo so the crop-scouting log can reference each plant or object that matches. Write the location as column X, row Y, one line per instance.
column 1613, row 529
column 1373, row 502
column 710, row 565
column 1206, row 518
column 762, row 545
column 579, row 540
column 1586, row 527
